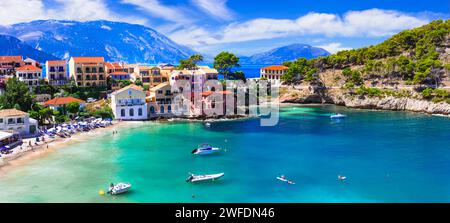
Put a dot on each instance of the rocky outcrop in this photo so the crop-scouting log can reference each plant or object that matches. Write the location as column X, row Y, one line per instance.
column 398, row 104
column 352, row 101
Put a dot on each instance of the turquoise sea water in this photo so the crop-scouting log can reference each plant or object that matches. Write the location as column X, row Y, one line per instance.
column 386, row 156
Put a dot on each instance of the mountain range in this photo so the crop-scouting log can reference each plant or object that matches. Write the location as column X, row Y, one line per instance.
column 117, row 41
column 285, row 53
column 10, row 45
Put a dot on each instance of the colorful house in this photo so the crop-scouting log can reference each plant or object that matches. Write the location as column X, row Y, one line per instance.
column 273, row 73
column 160, row 100
column 88, row 71
column 60, row 103
column 9, row 64
column 56, row 72
column 129, row 103
column 150, row 75
column 17, row 121
column 29, row 74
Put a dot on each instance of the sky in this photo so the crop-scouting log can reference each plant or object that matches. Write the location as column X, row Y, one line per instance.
column 245, row 27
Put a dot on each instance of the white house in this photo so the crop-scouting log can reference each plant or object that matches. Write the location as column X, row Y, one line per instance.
column 274, row 73
column 129, row 103
column 17, row 121
column 29, row 74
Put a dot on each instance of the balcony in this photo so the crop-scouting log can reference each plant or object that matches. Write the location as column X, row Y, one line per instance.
column 131, row 103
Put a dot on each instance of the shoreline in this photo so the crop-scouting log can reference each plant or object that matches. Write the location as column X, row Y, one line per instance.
column 21, row 156
column 8, row 162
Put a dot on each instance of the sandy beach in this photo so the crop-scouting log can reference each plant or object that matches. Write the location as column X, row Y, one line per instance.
column 24, row 153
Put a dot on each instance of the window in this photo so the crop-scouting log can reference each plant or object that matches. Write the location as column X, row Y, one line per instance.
column 1, row 120
column 140, row 112
column 161, row 110
column 88, row 70
column 169, row 109
column 131, row 112
column 19, row 120
column 122, row 112
column 160, row 91
column 152, row 109
column 167, row 92
column 11, row 121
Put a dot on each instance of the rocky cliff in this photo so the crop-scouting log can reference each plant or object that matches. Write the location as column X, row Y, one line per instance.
column 311, row 95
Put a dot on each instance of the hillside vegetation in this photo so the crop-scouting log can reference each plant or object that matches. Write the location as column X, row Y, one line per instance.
column 416, row 59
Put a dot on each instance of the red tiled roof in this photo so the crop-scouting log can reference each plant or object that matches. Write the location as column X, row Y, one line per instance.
column 63, row 101
column 28, row 68
column 56, row 62
column 208, row 93
column 275, row 67
column 119, row 73
column 88, row 59
column 10, row 58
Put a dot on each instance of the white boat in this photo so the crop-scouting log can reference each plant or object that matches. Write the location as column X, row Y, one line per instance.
column 205, row 149
column 197, row 178
column 119, row 188
column 342, row 178
column 337, row 116
column 208, row 124
column 283, row 178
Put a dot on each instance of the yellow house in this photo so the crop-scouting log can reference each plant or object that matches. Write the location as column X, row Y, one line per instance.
column 88, row 71
column 161, row 97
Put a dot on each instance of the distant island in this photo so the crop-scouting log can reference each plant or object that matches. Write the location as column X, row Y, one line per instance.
column 285, row 53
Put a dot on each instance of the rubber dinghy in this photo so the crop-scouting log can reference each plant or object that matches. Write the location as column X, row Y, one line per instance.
column 207, row 177
column 205, row 149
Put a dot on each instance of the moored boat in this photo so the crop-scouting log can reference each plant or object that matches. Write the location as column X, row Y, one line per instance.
column 207, row 177
column 119, row 188
column 338, row 116
column 205, row 149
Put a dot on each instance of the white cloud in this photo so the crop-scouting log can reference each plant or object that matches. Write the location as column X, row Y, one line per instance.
column 156, row 9
column 14, row 11
column 334, row 47
column 367, row 23
column 216, row 8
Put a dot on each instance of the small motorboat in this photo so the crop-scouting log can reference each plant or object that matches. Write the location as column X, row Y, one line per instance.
column 284, row 179
column 208, row 177
column 205, row 149
column 119, row 188
column 208, row 124
column 342, row 178
column 338, row 116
